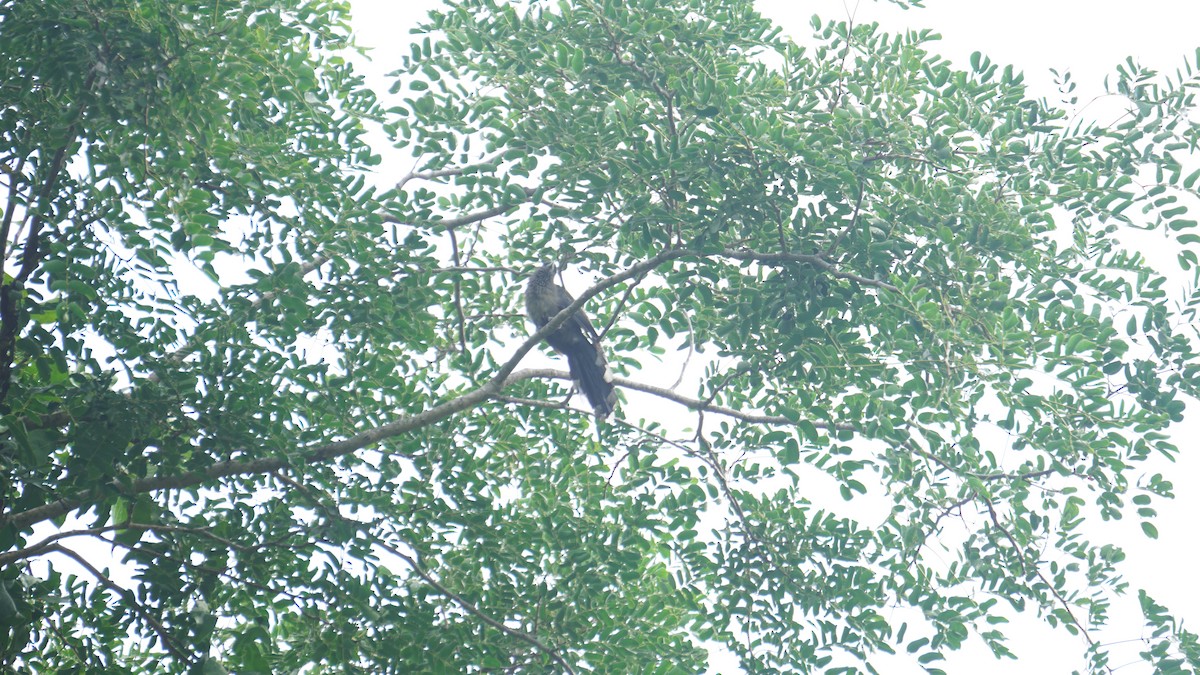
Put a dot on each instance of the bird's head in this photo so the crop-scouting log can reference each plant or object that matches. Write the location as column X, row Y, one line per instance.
column 544, row 274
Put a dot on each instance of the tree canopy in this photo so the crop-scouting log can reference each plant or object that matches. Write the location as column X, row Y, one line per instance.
column 883, row 327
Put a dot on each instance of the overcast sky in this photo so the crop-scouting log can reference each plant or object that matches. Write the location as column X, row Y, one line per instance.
column 1089, row 38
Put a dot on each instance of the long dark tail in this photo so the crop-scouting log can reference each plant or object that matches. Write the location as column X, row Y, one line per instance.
column 589, row 371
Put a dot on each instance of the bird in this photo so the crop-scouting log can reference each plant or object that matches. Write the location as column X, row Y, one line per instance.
column 575, row 339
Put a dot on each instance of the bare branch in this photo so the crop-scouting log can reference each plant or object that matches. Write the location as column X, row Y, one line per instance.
column 690, row 353
column 539, row 403
column 1028, row 476
column 473, row 270
column 621, row 305
column 48, row 544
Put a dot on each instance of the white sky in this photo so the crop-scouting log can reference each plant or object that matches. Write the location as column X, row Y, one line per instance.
column 1089, row 38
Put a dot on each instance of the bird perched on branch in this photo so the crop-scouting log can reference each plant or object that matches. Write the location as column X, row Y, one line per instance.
column 575, row 338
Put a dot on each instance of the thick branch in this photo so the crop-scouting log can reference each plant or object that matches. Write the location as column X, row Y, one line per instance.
column 370, row 437
column 10, row 208
column 321, row 453
column 328, row 451
column 10, row 325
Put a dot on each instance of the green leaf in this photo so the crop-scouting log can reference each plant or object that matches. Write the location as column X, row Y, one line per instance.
column 837, row 265
column 8, row 608
column 1190, row 180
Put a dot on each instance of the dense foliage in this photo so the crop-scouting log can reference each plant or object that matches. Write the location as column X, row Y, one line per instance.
column 259, row 415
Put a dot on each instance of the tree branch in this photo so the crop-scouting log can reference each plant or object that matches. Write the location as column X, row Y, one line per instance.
column 9, row 325
column 686, row 401
column 321, row 505
column 10, row 208
column 815, row 260
column 833, row 246
column 437, row 413
column 469, row 607
column 447, row 173
column 458, row 307
column 1040, row 575
column 328, row 451
column 466, row 219
column 168, row 642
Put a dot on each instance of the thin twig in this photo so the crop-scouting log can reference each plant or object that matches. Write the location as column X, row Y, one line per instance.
column 457, row 282
column 690, row 353
column 446, row 173
column 473, row 270
column 466, row 219
column 687, row 401
column 612, row 319
column 48, row 543
column 814, row 260
column 833, row 246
